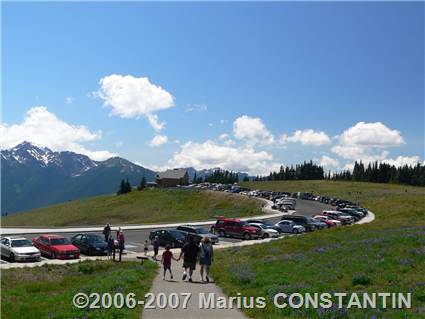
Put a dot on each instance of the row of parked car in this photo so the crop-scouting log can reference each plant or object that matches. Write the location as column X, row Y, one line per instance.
column 52, row 246
column 344, row 213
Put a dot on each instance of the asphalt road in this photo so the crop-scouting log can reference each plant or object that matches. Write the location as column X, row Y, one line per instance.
column 134, row 239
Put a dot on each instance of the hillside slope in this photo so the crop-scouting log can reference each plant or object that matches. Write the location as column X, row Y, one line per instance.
column 148, row 206
column 387, row 255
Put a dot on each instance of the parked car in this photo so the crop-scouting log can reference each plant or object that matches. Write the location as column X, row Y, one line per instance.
column 357, row 215
column 235, row 228
column 358, row 208
column 344, row 219
column 174, row 238
column 328, row 220
column 265, row 231
column 198, row 233
column 56, row 246
column 308, row 223
column 18, row 249
column 265, row 222
column 289, row 226
column 90, row 244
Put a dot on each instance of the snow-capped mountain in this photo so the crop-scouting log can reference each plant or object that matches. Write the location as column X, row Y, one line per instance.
column 35, row 176
column 28, row 153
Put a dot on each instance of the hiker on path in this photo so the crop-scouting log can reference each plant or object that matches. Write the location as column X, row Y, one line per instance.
column 155, row 244
column 107, row 232
column 111, row 246
column 167, row 255
column 121, row 242
column 206, row 257
column 190, row 252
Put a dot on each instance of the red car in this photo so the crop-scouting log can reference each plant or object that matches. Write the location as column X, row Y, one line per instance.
column 56, row 246
column 327, row 220
column 235, row 228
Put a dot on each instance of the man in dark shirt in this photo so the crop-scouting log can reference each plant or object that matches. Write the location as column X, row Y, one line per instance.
column 107, row 232
column 190, row 252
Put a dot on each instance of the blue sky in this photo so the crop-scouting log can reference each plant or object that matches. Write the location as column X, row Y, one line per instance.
column 348, row 76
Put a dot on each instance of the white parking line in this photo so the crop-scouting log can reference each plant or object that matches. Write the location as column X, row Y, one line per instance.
column 4, row 262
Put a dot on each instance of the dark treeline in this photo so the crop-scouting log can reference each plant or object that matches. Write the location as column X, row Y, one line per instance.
column 218, row 176
column 124, row 188
column 304, row 171
column 384, row 173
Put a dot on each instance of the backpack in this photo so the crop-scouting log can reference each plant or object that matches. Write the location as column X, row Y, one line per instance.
column 206, row 251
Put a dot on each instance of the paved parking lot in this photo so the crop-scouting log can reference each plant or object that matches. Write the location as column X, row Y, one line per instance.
column 134, row 239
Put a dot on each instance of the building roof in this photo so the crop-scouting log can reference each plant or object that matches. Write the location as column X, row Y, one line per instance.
column 175, row 173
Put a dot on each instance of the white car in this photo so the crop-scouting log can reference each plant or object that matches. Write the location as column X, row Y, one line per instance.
column 289, row 226
column 265, row 231
column 18, row 249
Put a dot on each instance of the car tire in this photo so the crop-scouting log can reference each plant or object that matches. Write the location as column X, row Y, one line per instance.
column 266, row 236
column 247, row 236
column 221, row 233
column 295, row 231
column 12, row 257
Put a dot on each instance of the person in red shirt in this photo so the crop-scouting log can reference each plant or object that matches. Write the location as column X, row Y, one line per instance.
column 167, row 255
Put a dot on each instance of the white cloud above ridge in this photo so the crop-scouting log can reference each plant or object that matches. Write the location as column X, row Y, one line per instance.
column 43, row 128
column 210, row 154
column 252, row 130
column 132, row 97
column 158, row 140
column 329, row 162
column 306, row 137
column 367, row 142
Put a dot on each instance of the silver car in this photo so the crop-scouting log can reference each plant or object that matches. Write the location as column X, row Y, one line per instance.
column 18, row 249
column 289, row 226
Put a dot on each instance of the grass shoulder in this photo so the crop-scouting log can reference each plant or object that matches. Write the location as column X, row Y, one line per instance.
column 47, row 291
column 139, row 207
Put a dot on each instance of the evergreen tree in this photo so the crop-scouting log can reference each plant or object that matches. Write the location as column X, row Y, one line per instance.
column 142, row 184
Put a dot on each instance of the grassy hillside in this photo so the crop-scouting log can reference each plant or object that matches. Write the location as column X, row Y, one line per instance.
column 47, row 291
column 387, row 255
column 148, row 206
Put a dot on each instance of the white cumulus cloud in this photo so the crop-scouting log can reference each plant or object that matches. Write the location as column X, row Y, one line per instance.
column 329, row 162
column 252, row 130
column 43, row 127
column 403, row 160
column 210, row 154
column 132, row 97
column 158, row 140
column 306, row 137
column 367, row 142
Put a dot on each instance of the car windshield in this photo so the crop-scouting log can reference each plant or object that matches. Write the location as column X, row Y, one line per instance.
column 177, row 234
column 243, row 223
column 21, row 243
column 59, row 241
column 201, row 230
column 94, row 239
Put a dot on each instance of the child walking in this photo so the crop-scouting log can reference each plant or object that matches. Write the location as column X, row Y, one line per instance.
column 167, row 255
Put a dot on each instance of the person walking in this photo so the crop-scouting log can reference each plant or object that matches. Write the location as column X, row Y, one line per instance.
column 167, row 255
column 206, row 257
column 121, row 242
column 107, row 232
column 110, row 247
column 155, row 244
column 190, row 252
